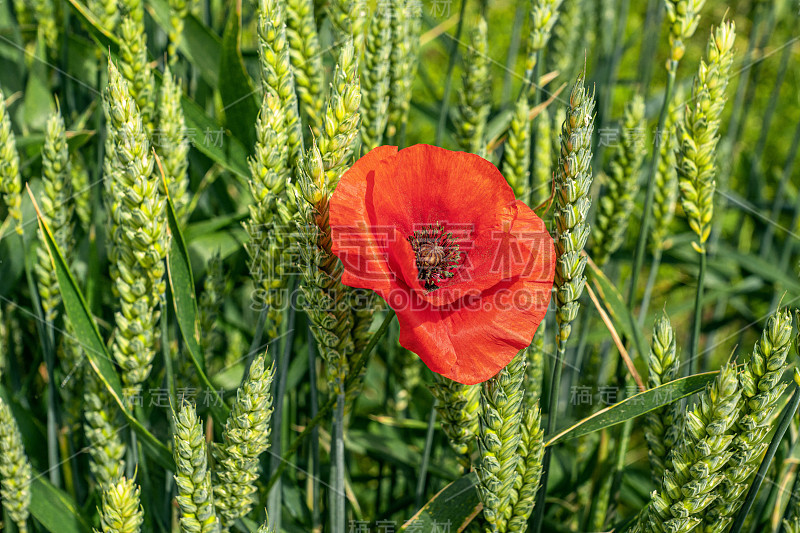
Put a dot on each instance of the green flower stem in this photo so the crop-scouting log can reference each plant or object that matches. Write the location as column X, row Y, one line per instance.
column 647, row 213
column 698, row 316
column 355, row 373
column 786, row 420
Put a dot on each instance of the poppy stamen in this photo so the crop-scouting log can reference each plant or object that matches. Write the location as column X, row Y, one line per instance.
column 437, row 255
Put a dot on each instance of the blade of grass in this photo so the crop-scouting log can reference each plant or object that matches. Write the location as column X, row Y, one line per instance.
column 181, row 282
column 633, row 407
column 456, row 505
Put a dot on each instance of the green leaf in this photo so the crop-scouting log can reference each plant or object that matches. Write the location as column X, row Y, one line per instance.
column 179, row 272
column 88, row 335
column 610, row 296
column 456, row 504
column 634, row 406
column 54, row 509
column 235, row 86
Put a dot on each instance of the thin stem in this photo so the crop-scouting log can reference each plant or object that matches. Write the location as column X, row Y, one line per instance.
column 647, row 213
column 698, row 315
column 448, row 81
column 552, row 409
column 337, row 494
column 426, row 456
column 255, row 345
column 786, row 419
column 648, row 289
column 316, row 517
column 274, row 499
column 355, row 373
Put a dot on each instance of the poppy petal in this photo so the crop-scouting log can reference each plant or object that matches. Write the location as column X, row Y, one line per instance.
column 355, row 236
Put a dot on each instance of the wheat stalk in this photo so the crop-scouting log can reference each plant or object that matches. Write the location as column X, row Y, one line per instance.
column 139, row 233
column 102, row 427
column 666, row 178
column 81, row 190
column 277, row 75
column 406, row 27
column 543, row 16
column 543, row 154
column 529, row 469
column 341, row 121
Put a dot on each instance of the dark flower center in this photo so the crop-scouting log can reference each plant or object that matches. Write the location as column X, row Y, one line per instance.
column 437, row 255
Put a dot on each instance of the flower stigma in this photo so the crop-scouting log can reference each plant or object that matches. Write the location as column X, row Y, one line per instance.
column 437, row 255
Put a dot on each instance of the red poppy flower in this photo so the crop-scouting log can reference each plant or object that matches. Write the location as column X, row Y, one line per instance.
column 440, row 237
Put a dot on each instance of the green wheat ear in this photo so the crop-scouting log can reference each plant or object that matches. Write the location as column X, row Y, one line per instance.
column 458, row 409
column 661, row 425
column 15, row 470
column 57, row 209
column 10, row 184
column 306, row 57
column 277, row 75
column 696, row 470
column 698, row 136
column 121, row 511
column 474, row 99
column 534, row 374
column 517, row 154
column 375, row 80
column 244, row 439
column 195, row 494
column 103, row 428
column 529, row 469
column 406, row 26
column 499, row 437
column 543, row 16
column 761, row 386
column 573, row 179
column 172, row 146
